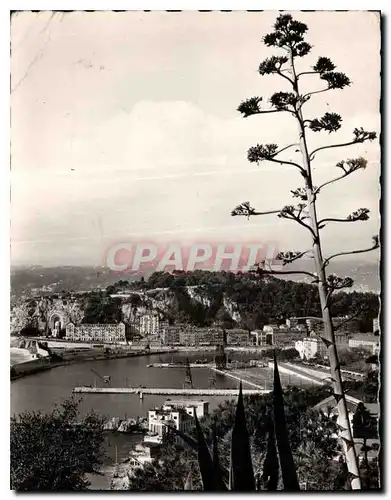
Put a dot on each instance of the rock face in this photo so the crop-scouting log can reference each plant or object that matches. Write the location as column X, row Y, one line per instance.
column 232, row 309
column 48, row 314
column 42, row 314
column 128, row 425
column 112, row 425
column 120, row 479
column 196, row 294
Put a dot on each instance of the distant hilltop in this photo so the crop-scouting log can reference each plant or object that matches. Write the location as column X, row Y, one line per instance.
column 30, row 281
column 201, row 298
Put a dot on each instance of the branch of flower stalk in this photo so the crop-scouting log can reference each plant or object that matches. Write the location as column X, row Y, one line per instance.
column 266, row 111
column 306, row 96
column 246, row 210
column 312, row 155
column 286, row 77
column 271, row 271
column 322, row 221
column 290, row 260
column 284, row 162
column 287, row 147
column 332, row 180
column 299, row 221
column 307, row 73
column 328, row 297
column 357, row 313
column 352, row 252
column 360, row 136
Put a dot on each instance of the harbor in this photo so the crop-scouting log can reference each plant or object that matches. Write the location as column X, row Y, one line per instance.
column 179, row 365
column 166, row 391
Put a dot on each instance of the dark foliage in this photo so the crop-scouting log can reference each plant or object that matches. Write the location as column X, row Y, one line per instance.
column 241, row 468
column 270, row 465
column 101, row 308
column 53, row 452
column 330, row 122
column 259, row 300
column 250, row 106
column 284, row 449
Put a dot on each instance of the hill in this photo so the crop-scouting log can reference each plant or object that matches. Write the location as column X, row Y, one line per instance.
column 200, row 297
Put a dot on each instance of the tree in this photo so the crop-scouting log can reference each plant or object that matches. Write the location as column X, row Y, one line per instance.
column 311, row 436
column 53, row 452
column 288, row 35
column 364, row 427
column 101, row 308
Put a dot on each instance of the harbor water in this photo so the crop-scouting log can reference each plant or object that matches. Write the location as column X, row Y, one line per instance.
column 41, row 391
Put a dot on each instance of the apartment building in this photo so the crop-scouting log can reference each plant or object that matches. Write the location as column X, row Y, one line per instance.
column 190, row 406
column 160, row 419
column 141, row 455
column 100, row 333
column 368, row 342
column 311, row 347
column 149, row 325
column 238, row 337
column 189, row 335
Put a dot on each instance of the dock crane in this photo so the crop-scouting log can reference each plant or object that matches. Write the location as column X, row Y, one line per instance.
column 106, row 378
column 188, row 377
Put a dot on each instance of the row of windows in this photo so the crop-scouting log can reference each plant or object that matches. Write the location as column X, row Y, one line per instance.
column 100, row 336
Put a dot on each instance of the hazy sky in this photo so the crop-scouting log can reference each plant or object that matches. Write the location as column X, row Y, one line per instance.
column 124, row 126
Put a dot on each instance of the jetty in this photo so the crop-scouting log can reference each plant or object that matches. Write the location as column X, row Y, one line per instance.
column 144, row 391
column 179, row 365
column 242, row 378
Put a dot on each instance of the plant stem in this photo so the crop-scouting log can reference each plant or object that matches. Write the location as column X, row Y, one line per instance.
column 346, row 433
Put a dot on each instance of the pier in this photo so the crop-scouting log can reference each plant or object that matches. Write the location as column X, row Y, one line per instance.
column 180, row 365
column 241, row 378
column 144, row 391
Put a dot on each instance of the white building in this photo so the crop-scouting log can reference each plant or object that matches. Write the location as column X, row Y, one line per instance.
column 142, row 454
column 328, row 406
column 263, row 337
column 368, row 342
column 190, row 406
column 110, row 333
column 160, row 419
column 149, row 325
column 310, row 347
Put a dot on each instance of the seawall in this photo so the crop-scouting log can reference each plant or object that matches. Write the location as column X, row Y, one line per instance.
column 42, row 364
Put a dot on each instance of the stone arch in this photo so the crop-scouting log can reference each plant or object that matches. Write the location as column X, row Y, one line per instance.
column 54, row 317
column 57, row 322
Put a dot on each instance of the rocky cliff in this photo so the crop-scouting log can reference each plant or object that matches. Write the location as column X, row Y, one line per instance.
column 43, row 314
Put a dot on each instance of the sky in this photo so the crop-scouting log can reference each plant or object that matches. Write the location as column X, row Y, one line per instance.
column 124, row 127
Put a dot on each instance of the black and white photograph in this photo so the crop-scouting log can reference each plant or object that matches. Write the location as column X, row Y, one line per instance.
column 195, row 250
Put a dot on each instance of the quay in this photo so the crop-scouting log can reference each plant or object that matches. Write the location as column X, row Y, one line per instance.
column 166, row 391
column 179, row 365
column 241, row 378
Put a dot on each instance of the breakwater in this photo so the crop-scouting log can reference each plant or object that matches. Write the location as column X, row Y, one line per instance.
column 166, row 391
column 20, row 370
column 180, row 365
column 242, row 378
column 127, row 425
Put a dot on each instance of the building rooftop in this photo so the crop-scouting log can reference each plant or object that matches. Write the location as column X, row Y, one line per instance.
column 151, row 444
column 162, row 411
column 313, row 339
column 351, row 402
column 373, row 408
column 187, row 402
column 237, row 330
column 364, row 336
